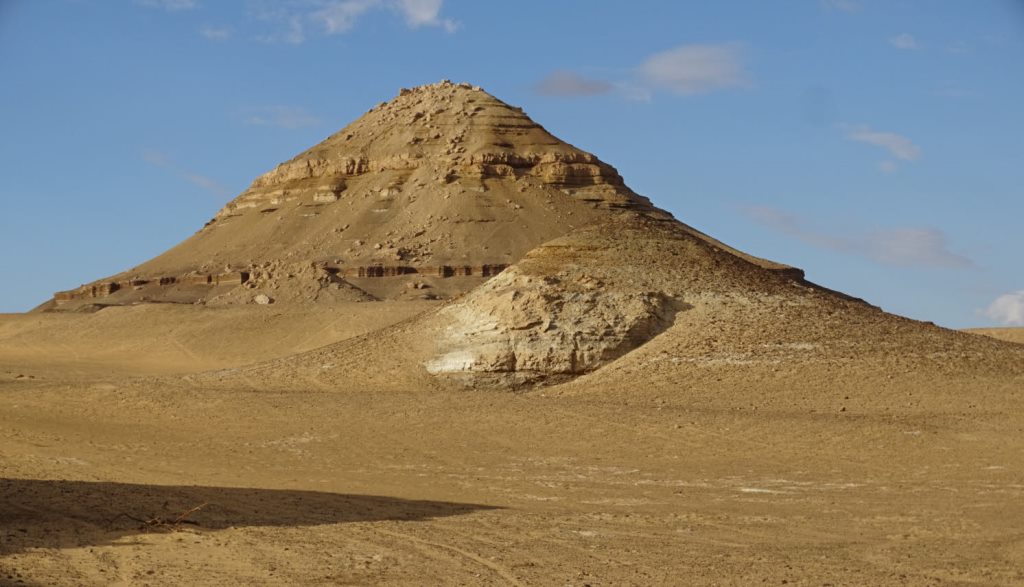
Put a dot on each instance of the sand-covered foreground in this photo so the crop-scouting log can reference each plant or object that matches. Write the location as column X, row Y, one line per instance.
column 728, row 474
column 443, row 347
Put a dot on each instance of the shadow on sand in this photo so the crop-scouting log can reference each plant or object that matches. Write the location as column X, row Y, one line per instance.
column 37, row 513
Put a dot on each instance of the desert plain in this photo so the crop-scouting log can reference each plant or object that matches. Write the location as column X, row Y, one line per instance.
column 406, row 359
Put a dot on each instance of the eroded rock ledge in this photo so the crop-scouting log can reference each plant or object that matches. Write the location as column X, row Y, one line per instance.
column 519, row 328
column 256, row 274
column 328, row 179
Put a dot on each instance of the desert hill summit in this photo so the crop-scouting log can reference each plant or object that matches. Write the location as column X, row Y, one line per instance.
column 424, row 196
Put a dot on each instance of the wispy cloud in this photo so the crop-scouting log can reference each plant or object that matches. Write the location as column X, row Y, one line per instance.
column 215, row 33
column 913, row 246
column 169, row 5
column 1007, row 309
column 682, row 70
column 290, row 117
column 294, row 32
column 340, row 17
column 420, row 13
column 900, row 246
column 286, row 19
column 904, row 41
column 160, row 159
column 896, row 145
column 567, row 83
column 155, row 158
column 297, row 19
column 694, row 69
column 849, row 6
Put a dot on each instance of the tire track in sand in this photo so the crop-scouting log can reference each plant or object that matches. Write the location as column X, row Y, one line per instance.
column 497, row 569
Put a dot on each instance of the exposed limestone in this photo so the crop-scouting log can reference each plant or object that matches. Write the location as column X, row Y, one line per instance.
column 256, row 276
column 528, row 327
column 443, row 181
column 103, row 290
column 87, row 291
column 325, row 197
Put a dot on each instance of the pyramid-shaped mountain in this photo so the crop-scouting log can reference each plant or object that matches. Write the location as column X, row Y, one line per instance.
column 553, row 268
column 425, row 196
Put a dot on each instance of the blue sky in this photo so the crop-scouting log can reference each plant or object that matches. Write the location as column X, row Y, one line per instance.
column 877, row 144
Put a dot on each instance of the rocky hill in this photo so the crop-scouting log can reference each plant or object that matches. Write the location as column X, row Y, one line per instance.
column 630, row 299
column 424, row 196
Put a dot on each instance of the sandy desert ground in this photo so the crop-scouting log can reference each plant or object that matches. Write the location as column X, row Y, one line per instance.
column 828, row 475
column 443, row 347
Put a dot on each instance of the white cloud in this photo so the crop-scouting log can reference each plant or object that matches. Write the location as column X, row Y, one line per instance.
column 567, row 83
column 683, row 70
column 294, row 33
column 160, row 159
column 288, row 22
column 904, row 41
column 792, row 225
column 897, row 145
column 694, row 69
column 1008, row 309
column 850, row 6
column 420, row 13
column 289, row 117
column 901, row 246
column 913, row 247
column 339, row 17
column 169, row 5
column 215, row 33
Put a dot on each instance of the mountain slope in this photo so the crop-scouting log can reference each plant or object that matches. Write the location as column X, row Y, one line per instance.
column 632, row 300
column 445, row 181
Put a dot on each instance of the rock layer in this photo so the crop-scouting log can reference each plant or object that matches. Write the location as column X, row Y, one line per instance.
column 443, row 176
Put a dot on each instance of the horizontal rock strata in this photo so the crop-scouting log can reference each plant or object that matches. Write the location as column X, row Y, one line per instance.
column 235, row 278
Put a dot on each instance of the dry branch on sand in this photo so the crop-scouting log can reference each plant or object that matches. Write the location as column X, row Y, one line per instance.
column 168, row 523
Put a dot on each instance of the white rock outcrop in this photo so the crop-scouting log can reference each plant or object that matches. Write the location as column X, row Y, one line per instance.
column 524, row 327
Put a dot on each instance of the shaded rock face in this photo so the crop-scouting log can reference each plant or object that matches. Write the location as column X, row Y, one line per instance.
column 521, row 328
